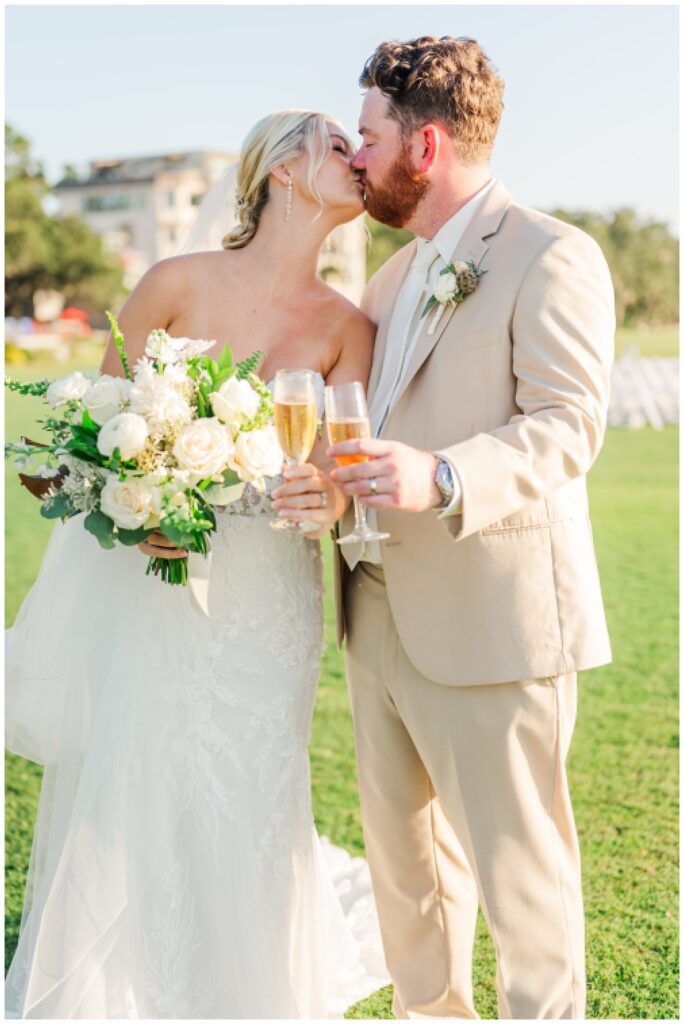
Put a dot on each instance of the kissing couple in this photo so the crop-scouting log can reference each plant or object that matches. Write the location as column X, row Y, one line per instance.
column 176, row 871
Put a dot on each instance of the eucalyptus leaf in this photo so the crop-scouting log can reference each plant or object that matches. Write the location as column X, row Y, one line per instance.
column 102, row 527
column 55, row 508
column 132, row 537
column 220, row 494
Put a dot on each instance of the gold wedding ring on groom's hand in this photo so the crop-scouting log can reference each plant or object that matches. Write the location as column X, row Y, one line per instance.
column 324, row 500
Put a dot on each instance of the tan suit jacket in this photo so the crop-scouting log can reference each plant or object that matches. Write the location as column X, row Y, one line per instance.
column 513, row 387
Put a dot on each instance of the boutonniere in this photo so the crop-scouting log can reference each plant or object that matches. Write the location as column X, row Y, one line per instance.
column 454, row 284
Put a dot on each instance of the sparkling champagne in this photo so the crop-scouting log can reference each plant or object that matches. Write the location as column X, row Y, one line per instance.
column 348, row 430
column 296, row 424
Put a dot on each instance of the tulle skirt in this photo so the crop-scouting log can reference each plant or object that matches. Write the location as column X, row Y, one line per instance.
column 176, row 871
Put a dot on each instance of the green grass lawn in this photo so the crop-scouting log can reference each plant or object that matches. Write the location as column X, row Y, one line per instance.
column 651, row 341
column 623, row 763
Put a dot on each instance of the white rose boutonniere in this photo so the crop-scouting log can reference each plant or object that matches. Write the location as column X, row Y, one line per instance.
column 454, row 284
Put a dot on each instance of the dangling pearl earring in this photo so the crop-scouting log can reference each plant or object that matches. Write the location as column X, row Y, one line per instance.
column 288, row 202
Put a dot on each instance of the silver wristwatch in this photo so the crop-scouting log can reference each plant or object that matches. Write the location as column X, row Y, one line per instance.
column 444, row 480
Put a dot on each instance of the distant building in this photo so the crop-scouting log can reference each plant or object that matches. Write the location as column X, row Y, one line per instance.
column 143, row 207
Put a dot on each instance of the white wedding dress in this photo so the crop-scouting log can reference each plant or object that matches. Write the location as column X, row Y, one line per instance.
column 176, row 871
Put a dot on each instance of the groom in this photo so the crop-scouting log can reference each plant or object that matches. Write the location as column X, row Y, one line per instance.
column 465, row 630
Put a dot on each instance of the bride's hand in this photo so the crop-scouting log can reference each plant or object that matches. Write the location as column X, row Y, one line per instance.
column 308, row 494
column 159, row 546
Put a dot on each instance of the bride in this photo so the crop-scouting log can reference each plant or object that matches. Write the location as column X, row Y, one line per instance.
column 175, row 871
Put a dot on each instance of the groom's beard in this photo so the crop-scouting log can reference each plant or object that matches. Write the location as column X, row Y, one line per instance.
column 394, row 200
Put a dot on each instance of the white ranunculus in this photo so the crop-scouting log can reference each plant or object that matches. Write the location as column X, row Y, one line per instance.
column 446, row 287
column 127, row 502
column 235, row 402
column 125, row 431
column 257, row 454
column 460, row 266
column 203, row 448
column 67, row 389
column 104, row 397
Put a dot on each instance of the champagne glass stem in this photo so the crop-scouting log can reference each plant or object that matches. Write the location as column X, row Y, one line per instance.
column 360, row 526
column 293, row 525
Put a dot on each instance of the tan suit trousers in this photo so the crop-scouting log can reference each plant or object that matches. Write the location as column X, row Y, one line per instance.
column 464, row 799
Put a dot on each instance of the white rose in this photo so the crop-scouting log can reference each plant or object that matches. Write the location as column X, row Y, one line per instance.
column 460, row 266
column 127, row 502
column 104, row 397
column 235, row 402
column 125, row 431
column 204, row 448
column 446, row 287
column 257, row 454
column 67, row 389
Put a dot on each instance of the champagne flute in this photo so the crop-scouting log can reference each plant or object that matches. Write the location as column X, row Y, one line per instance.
column 346, row 415
column 296, row 420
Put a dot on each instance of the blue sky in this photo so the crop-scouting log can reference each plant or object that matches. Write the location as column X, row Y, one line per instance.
column 591, row 91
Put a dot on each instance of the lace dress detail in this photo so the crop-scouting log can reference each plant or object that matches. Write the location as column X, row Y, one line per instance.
column 176, row 872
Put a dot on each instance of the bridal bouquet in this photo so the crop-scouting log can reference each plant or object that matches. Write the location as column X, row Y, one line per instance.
column 156, row 449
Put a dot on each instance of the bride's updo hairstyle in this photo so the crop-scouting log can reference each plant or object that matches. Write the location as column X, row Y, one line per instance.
column 272, row 141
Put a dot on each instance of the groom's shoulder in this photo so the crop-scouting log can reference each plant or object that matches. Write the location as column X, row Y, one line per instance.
column 383, row 277
column 394, row 265
column 536, row 231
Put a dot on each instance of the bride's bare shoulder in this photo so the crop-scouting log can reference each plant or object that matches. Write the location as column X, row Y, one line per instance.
column 348, row 316
column 195, row 265
column 352, row 338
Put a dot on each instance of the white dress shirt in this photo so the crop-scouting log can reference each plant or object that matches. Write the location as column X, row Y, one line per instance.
column 405, row 328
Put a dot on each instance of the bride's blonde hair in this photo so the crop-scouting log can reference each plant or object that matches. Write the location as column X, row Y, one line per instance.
column 274, row 140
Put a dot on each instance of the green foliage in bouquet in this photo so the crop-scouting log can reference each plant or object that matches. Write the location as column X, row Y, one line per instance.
column 77, row 467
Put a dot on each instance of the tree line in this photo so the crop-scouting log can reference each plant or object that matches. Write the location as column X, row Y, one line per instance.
column 643, row 258
column 64, row 255
column 49, row 253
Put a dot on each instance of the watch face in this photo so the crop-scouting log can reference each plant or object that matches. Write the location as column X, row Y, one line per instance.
column 444, row 480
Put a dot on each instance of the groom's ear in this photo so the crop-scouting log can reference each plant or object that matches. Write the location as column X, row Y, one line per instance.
column 428, row 147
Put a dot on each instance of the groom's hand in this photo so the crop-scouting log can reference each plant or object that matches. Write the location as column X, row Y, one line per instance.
column 404, row 476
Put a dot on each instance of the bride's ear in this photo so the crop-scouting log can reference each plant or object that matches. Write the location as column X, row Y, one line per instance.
column 283, row 174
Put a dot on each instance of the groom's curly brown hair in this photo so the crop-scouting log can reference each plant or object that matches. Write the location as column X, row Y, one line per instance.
column 447, row 80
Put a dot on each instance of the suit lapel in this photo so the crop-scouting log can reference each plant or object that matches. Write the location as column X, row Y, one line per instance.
column 471, row 247
column 385, row 318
